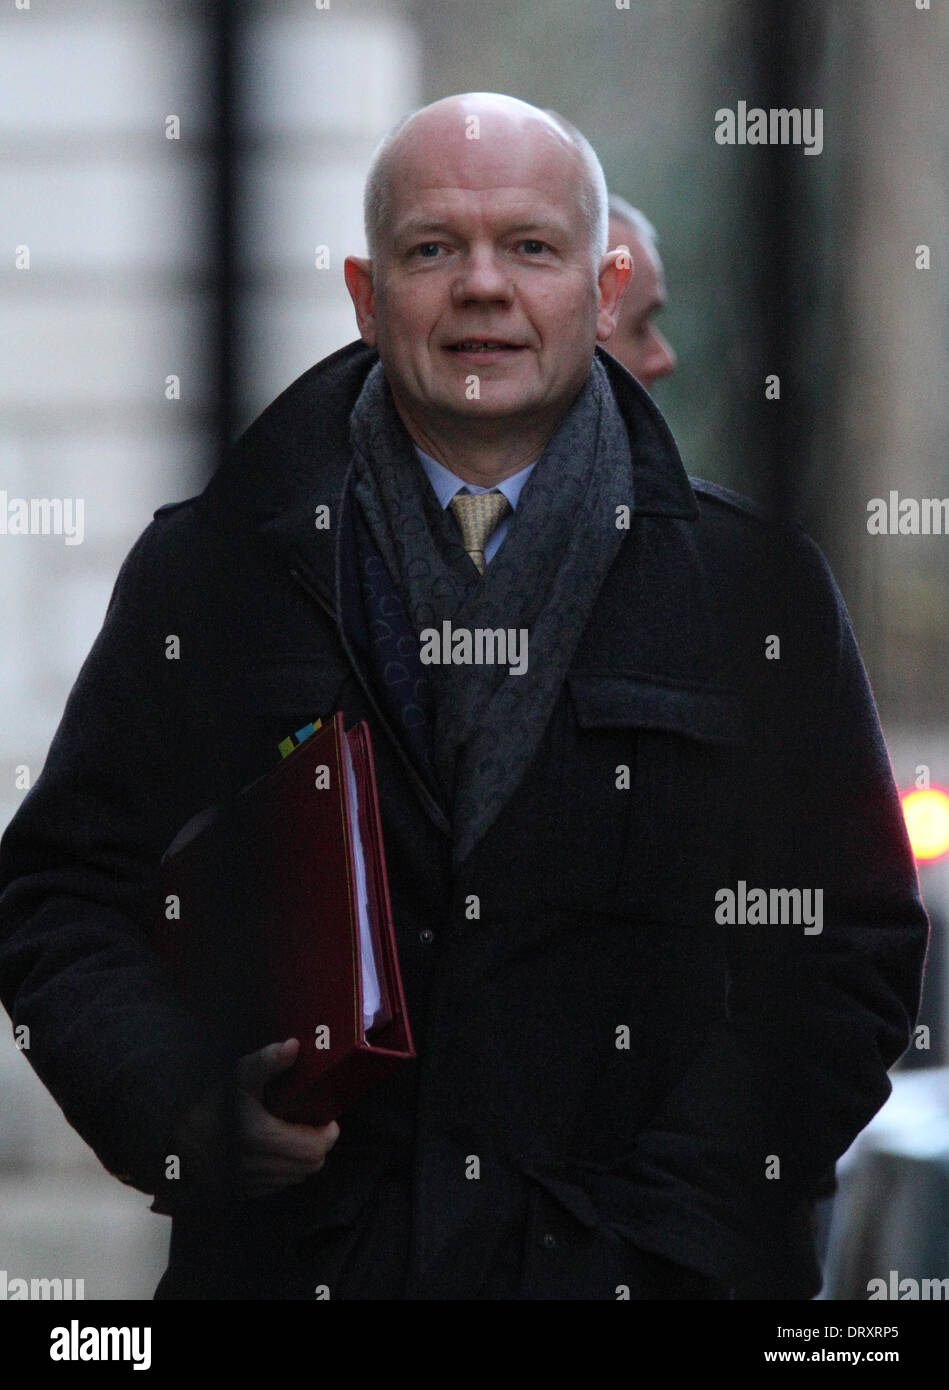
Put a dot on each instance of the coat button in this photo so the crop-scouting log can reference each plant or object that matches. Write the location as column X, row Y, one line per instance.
column 550, row 1241
column 426, row 936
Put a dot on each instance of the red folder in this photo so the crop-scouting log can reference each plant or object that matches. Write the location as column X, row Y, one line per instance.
column 267, row 941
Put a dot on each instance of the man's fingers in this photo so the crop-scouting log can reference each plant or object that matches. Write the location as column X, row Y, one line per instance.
column 272, row 1160
column 262, row 1132
column 272, row 1166
column 256, row 1069
column 282, row 1158
column 275, row 1154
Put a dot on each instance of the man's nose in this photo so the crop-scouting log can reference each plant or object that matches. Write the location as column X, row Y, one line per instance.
column 662, row 359
column 482, row 277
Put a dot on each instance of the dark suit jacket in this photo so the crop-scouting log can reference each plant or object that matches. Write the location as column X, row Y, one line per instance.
column 626, row 1070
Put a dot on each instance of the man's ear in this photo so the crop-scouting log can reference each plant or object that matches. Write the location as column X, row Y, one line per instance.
column 616, row 269
column 357, row 272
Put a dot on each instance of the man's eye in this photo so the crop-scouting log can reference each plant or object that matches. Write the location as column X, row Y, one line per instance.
column 534, row 247
column 427, row 250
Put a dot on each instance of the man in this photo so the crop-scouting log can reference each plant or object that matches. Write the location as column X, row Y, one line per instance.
column 636, row 341
column 623, row 1087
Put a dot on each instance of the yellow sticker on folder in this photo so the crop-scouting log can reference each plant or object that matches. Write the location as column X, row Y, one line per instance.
column 287, row 745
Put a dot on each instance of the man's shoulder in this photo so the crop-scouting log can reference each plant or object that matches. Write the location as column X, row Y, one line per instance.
column 300, row 440
column 733, row 516
column 748, row 539
column 320, row 397
column 724, row 505
column 174, row 526
column 177, row 537
column 169, row 508
column 168, row 557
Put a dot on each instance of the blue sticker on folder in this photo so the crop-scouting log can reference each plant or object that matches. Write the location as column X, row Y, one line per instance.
column 287, row 745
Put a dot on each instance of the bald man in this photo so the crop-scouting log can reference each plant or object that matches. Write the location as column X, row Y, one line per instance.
column 636, row 341
column 608, row 743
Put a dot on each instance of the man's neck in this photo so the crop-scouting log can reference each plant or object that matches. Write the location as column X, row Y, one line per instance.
column 483, row 461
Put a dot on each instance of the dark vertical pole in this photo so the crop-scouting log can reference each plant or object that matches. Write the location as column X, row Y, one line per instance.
column 782, row 204
column 223, row 22
column 222, row 18
column 784, row 44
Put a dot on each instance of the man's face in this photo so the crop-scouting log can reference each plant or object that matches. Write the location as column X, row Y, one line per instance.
column 484, row 300
column 637, row 342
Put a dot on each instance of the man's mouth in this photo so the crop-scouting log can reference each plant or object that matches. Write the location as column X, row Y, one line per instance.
column 484, row 345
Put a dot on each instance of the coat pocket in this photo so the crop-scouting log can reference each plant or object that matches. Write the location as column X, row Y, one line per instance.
column 280, row 695
column 291, row 685
column 647, row 796
column 575, row 1250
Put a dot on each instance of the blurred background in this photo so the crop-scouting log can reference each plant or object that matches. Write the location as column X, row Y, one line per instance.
column 179, row 185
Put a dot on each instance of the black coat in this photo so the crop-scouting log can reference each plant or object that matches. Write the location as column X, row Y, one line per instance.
column 607, row 1158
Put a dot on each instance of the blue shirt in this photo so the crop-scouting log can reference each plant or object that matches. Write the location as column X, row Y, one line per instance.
column 446, row 484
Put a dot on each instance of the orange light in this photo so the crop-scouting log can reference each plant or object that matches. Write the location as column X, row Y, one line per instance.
column 927, row 819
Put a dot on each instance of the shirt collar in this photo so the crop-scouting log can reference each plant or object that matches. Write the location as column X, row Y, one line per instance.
column 446, row 483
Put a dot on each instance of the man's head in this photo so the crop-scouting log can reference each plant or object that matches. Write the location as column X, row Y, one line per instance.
column 488, row 287
column 637, row 342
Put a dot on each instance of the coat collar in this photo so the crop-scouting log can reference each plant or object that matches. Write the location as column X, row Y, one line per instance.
column 296, row 457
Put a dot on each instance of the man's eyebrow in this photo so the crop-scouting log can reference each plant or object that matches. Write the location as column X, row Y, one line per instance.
column 421, row 226
column 416, row 226
column 647, row 311
column 537, row 224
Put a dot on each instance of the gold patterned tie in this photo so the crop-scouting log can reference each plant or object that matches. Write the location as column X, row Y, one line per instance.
column 478, row 514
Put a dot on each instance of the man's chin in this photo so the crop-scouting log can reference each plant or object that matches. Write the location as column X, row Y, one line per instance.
column 483, row 393
column 514, row 409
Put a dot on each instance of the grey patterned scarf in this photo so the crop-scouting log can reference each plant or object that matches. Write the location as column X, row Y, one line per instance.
column 562, row 539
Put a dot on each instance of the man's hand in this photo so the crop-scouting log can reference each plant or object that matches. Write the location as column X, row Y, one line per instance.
column 275, row 1154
